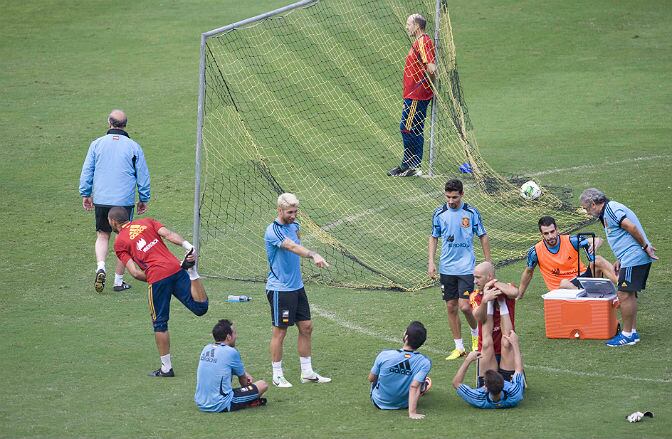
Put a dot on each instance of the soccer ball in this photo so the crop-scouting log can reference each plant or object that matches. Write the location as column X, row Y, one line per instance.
column 530, row 190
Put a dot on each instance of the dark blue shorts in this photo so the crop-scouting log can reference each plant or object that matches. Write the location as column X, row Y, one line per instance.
column 178, row 285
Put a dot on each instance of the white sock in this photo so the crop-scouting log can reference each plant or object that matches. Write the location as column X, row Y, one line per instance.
column 118, row 279
column 459, row 344
column 166, row 365
column 634, row 330
column 491, row 308
column 626, row 334
column 474, row 332
column 101, row 265
column 306, row 366
column 193, row 274
column 277, row 369
column 503, row 308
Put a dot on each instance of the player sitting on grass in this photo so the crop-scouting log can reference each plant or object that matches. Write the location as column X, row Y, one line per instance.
column 496, row 392
column 399, row 376
column 218, row 363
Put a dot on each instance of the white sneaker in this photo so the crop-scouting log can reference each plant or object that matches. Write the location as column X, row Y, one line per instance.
column 281, row 382
column 314, row 378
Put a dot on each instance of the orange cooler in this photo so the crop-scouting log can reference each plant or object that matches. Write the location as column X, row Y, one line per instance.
column 572, row 314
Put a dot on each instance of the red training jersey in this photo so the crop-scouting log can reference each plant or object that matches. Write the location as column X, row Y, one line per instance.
column 475, row 299
column 139, row 240
column 416, row 83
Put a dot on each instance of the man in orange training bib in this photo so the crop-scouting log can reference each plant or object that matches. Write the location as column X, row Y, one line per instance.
column 558, row 258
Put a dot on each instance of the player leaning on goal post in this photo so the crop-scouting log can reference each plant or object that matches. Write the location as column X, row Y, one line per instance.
column 456, row 223
column 634, row 255
column 419, row 70
column 141, row 242
column 285, row 292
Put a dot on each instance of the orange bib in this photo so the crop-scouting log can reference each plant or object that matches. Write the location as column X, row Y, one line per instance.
column 558, row 266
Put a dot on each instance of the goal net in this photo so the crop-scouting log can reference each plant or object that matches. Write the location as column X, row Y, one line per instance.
column 307, row 100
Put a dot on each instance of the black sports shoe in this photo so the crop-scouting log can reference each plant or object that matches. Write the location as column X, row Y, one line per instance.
column 410, row 172
column 159, row 373
column 188, row 264
column 394, row 172
column 123, row 287
column 258, row 402
column 99, row 283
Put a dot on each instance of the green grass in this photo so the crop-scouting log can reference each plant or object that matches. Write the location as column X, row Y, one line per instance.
column 548, row 85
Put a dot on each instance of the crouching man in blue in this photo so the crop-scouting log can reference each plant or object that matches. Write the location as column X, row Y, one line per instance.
column 218, row 363
column 496, row 393
column 399, row 376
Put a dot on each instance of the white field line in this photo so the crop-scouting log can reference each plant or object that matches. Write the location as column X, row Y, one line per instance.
column 438, row 194
column 328, row 315
column 598, row 165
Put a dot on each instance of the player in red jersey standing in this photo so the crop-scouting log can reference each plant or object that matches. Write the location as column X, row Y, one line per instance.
column 140, row 248
column 419, row 71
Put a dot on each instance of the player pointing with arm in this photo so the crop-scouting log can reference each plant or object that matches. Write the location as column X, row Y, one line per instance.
column 285, row 292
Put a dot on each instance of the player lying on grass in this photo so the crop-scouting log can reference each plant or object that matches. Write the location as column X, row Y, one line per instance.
column 399, row 376
column 141, row 242
column 558, row 258
column 496, row 392
column 485, row 301
column 219, row 361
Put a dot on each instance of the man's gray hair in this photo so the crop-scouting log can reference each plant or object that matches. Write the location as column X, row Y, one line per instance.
column 592, row 195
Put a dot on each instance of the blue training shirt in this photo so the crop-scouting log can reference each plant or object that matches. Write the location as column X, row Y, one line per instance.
column 456, row 228
column 511, row 395
column 284, row 266
column 396, row 370
column 533, row 259
column 217, row 366
column 114, row 165
column 622, row 243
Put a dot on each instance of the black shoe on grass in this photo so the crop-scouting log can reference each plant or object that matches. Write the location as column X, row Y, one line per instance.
column 159, row 373
column 123, row 287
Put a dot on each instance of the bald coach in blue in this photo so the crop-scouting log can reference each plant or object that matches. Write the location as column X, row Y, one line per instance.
column 634, row 255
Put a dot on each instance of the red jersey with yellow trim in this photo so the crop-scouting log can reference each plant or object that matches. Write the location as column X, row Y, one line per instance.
column 139, row 240
column 416, row 84
column 475, row 299
column 555, row 267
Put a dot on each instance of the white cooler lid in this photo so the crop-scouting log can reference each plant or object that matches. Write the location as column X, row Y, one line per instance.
column 565, row 294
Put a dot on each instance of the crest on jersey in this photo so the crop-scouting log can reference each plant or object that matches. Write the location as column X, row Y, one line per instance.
column 465, row 221
column 135, row 230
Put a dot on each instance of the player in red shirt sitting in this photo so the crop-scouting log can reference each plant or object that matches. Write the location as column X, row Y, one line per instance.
column 140, row 248
column 490, row 301
column 419, row 71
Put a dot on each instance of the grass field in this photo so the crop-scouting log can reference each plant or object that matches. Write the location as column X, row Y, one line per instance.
column 575, row 91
